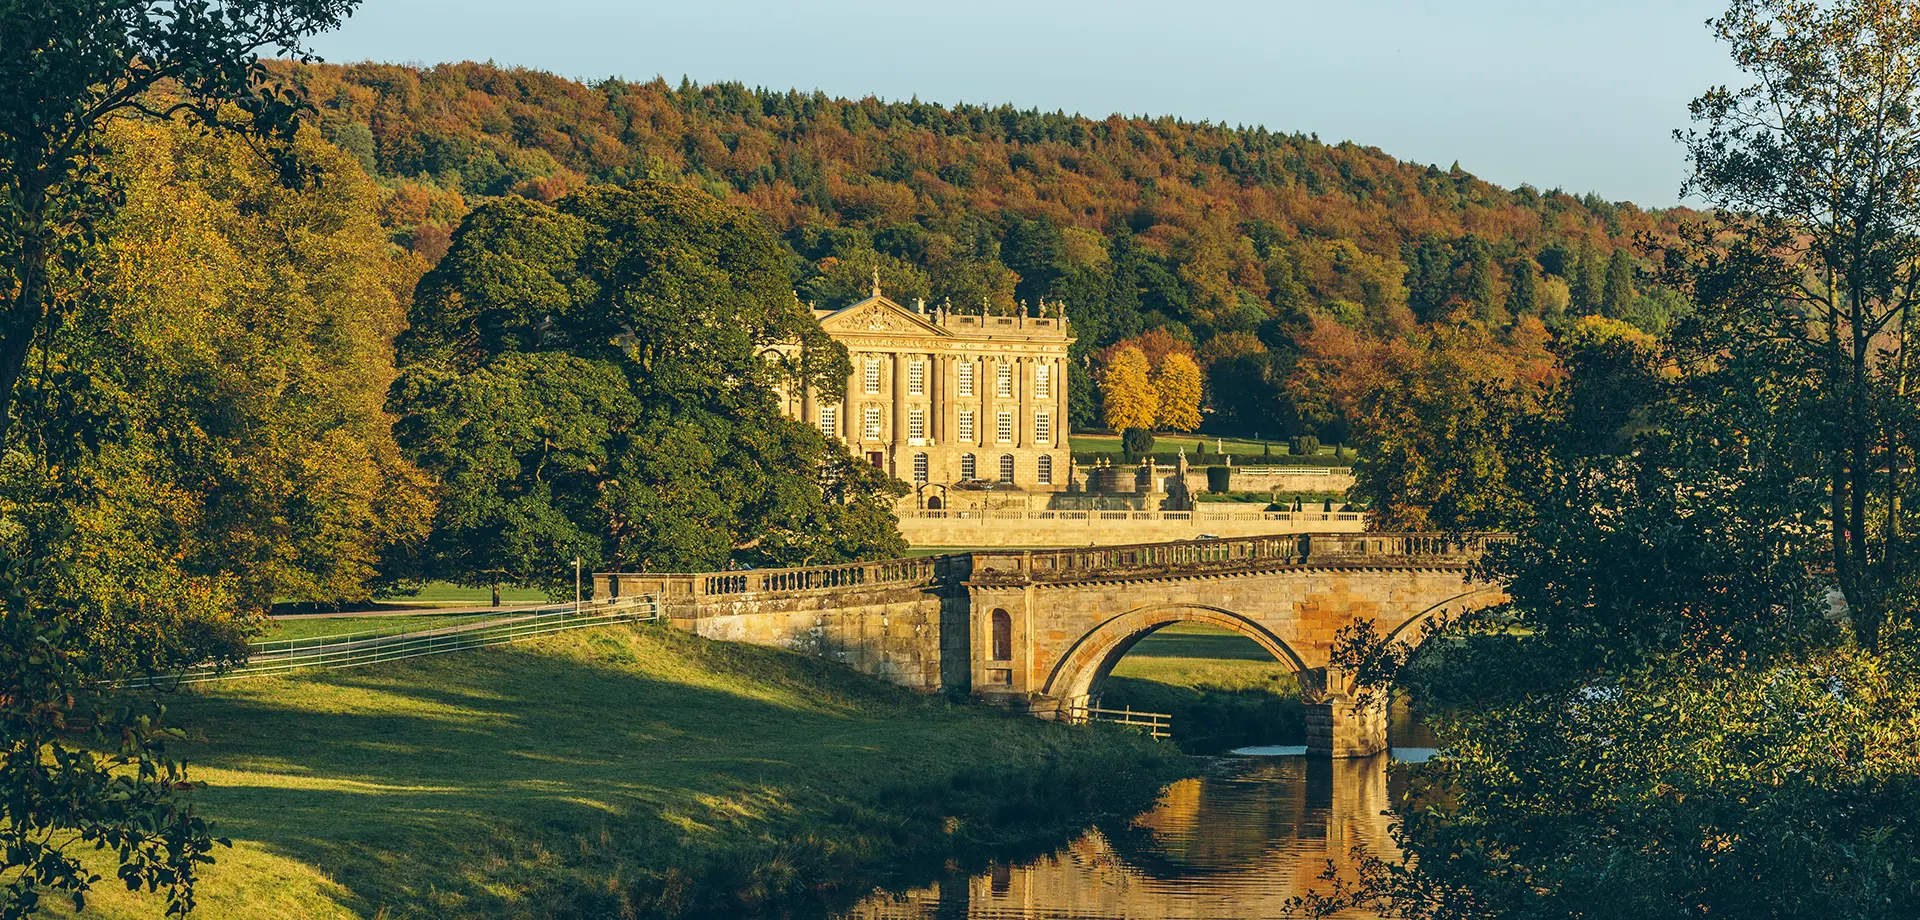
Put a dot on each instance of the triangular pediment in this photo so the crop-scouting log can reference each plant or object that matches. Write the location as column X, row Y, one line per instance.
column 879, row 315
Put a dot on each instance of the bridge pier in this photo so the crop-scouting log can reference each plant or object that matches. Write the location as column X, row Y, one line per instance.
column 1341, row 727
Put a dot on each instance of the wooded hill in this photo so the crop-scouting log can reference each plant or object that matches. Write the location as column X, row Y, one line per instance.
column 1233, row 239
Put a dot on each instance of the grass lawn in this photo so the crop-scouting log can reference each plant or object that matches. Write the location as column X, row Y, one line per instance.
column 623, row 771
column 1222, row 689
column 442, row 594
column 333, row 626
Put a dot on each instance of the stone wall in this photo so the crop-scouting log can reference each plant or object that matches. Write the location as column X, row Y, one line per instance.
column 1277, row 479
column 1109, row 528
column 901, row 621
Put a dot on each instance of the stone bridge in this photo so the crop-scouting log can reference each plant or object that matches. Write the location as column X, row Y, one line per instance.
column 1040, row 629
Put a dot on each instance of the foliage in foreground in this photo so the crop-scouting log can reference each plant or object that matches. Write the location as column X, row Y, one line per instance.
column 82, row 607
column 83, row 766
column 1702, row 698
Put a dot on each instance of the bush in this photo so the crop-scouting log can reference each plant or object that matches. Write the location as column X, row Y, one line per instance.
column 1303, row 445
column 1136, row 442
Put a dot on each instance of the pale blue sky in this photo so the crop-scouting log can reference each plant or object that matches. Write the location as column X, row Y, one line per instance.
column 1579, row 95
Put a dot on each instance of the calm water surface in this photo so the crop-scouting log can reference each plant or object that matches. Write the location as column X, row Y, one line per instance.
column 1235, row 844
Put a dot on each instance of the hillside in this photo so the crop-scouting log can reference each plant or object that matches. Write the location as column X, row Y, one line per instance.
column 623, row 771
column 1233, row 239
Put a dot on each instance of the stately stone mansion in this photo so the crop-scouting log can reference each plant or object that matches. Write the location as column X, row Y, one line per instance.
column 970, row 412
column 949, row 403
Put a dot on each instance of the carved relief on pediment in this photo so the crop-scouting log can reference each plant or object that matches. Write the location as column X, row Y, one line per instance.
column 877, row 318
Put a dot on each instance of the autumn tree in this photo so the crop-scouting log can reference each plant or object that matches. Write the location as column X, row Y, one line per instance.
column 72, row 67
column 1127, row 393
column 1176, row 390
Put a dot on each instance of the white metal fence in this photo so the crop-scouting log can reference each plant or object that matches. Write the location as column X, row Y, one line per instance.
column 1080, row 710
column 349, row 650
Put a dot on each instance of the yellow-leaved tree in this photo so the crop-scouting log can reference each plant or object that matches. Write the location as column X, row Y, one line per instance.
column 1176, row 387
column 1127, row 391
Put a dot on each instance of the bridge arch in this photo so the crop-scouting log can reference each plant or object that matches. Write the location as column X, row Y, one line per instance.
column 1095, row 654
column 1483, row 596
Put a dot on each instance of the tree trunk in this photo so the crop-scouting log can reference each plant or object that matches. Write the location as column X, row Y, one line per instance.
column 22, row 319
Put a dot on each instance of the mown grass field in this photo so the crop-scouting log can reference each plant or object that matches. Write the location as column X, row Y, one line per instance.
column 308, row 628
column 442, row 594
column 1221, row 688
column 436, row 594
column 625, row 771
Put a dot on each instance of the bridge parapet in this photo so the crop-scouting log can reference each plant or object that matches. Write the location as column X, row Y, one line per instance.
column 1402, row 548
column 1135, row 561
column 685, row 589
column 1200, row 557
column 1101, row 563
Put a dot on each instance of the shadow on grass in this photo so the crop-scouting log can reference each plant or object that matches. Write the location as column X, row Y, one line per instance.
column 635, row 771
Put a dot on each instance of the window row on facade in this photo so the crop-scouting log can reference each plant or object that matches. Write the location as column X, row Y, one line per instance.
column 970, row 468
column 965, row 426
column 963, row 379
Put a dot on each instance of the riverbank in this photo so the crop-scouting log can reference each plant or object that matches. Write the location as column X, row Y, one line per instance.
column 627, row 771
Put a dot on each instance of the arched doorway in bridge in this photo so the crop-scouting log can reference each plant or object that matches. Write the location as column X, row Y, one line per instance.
column 1001, row 629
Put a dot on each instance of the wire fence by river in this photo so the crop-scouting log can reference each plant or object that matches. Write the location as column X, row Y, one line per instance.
column 355, row 649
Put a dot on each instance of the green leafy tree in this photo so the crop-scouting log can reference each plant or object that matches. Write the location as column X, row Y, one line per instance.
column 71, row 67
column 599, row 379
column 1617, row 296
column 1482, row 286
column 1817, row 268
column 848, row 280
column 1671, row 690
column 1588, row 283
column 1136, row 442
column 120, row 792
column 1523, row 298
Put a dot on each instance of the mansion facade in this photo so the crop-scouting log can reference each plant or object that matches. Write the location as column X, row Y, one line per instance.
column 957, row 407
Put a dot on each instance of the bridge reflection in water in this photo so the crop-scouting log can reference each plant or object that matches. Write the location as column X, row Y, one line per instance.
column 1236, row 844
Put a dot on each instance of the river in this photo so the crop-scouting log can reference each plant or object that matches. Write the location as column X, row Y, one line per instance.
column 1257, row 830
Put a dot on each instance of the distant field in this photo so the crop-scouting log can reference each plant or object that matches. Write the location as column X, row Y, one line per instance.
column 1168, row 444
column 335, row 626
column 1221, row 688
column 432, row 594
column 1192, row 655
column 442, row 594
